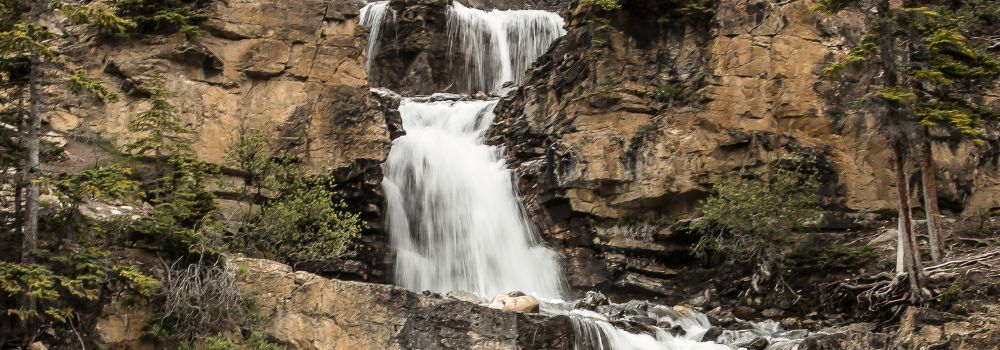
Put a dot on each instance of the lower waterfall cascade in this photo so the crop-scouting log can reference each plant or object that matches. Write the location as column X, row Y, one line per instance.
column 456, row 224
column 455, row 219
column 453, row 216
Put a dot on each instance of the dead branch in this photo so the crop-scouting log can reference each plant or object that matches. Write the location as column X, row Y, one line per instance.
column 200, row 299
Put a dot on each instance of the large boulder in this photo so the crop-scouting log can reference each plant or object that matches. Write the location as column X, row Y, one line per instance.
column 519, row 303
column 306, row 311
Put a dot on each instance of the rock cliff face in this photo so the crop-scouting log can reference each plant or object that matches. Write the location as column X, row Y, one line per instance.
column 309, row 312
column 306, row 312
column 635, row 116
column 414, row 56
column 919, row 329
column 292, row 67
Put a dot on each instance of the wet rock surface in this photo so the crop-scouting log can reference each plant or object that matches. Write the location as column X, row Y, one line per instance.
column 415, row 58
column 546, row 5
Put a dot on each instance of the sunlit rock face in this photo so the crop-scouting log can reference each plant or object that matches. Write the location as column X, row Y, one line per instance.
column 639, row 127
column 303, row 311
column 309, row 312
column 293, row 68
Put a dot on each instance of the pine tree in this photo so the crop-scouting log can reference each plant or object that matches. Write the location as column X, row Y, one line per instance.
column 943, row 63
column 23, row 47
column 162, row 135
column 252, row 154
column 922, row 58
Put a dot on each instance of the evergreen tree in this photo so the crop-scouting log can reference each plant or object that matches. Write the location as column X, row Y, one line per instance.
column 927, row 67
column 28, row 62
column 251, row 153
column 123, row 18
column 161, row 133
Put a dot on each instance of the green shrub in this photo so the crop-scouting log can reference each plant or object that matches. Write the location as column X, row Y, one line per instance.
column 216, row 343
column 835, row 257
column 183, row 221
column 832, row 6
column 259, row 341
column 299, row 218
column 252, row 153
column 304, row 224
column 607, row 5
column 53, row 294
column 676, row 94
column 79, row 272
column 100, row 183
column 745, row 218
column 133, row 17
column 163, row 16
column 61, row 284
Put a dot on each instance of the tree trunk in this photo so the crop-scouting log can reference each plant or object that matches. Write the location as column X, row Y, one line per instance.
column 929, row 182
column 908, row 241
column 20, row 176
column 900, row 246
column 33, row 145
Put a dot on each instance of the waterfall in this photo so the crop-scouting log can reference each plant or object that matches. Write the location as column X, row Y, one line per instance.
column 595, row 331
column 373, row 17
column 453, row 215
column 499, row 46
column 495, row 46
column 456, row 223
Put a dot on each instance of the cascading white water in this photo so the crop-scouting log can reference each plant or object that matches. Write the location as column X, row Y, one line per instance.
column 373, row 17
column 453, row 214
column 593, row 331
column 499, row 46
column 496, row 46
column 456, row 224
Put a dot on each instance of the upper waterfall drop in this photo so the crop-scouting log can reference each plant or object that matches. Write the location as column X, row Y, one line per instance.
column 494, row 47
column 500, row 46
column 373, row 16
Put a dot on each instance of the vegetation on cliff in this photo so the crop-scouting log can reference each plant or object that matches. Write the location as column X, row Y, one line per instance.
column 121, row 18
column 929, row 66
column 745, row 219
column 73, row 240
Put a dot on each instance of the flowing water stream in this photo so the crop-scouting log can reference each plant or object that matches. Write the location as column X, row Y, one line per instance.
column 454, row 216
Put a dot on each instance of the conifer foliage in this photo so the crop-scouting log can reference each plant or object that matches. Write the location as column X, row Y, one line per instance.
column 299, row 217
column 928, row 65
column 58, row 265
column 123, row 18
